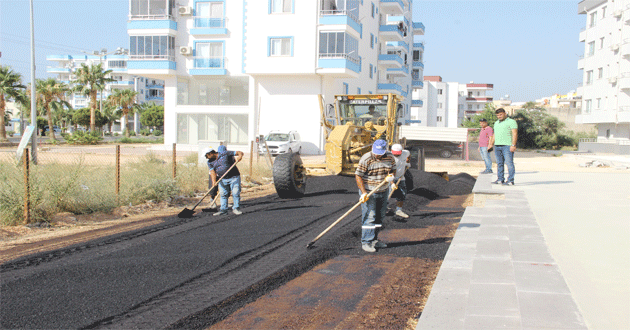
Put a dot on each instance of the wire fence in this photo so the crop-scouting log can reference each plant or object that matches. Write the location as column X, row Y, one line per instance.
column 87, row 179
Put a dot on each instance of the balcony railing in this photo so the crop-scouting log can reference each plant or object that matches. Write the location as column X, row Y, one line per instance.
column 209, row 62
column 210, row 22
column 348, row 13
column 624, row 109
column 340, row 55
column 152, row 57
column 151, row 9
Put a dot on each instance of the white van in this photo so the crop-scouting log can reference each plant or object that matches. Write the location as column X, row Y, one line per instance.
column 280, row 142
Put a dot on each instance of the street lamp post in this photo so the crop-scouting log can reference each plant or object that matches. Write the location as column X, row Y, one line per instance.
column 33, row 99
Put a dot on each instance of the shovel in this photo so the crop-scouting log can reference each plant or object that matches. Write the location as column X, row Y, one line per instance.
column 186, row 213
column 344, row 215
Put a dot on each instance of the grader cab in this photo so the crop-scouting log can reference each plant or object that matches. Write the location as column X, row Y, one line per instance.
column 351, row 126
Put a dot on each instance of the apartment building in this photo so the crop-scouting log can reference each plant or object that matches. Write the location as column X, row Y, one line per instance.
column 605, row 88
column 237, row 69
column 149, row 89
column 446, row 104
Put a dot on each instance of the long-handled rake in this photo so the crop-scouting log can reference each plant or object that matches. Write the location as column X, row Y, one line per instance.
column 186, row 213
column 345, row 215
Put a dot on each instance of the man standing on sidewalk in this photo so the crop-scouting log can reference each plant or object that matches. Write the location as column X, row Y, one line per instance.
column 504, row 142
column 484, row 139
column 373, row 168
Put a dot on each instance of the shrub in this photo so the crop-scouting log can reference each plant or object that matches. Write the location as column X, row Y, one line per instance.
column 10, row 133
column 157, row 132
column 145, row 132
column 80, row 137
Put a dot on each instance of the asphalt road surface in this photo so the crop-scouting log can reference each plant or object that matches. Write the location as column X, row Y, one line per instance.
column 192, row 273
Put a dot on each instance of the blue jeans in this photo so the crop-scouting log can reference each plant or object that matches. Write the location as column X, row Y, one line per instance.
column 230, row 185
column 373, row 211
column 504, row 156
column 486, row 158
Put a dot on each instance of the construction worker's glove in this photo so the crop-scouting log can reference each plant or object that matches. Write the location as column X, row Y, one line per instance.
column 393, row 187
column 364, row 198
column 390, row 178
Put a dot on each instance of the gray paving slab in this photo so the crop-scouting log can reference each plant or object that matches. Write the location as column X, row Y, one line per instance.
column 474, row 322
column 443, row 311
column 491, row 271
column 492, row 300
column 493, row 248
column 539, row 277
column 525, row 233
column 531, row 252
column 552, row 310
column 494, row 232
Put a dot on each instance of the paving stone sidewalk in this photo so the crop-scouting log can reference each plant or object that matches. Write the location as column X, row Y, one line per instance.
column 498, row 272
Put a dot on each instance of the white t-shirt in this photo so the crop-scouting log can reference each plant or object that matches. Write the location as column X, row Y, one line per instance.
column 401, row 164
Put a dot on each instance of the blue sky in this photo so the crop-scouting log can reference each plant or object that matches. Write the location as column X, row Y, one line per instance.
column 527, row 49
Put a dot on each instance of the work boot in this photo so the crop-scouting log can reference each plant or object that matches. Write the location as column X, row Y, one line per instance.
column 368, row 247
column 237, row 212
column 379, row 244
column 221, row 213
column 401, row 214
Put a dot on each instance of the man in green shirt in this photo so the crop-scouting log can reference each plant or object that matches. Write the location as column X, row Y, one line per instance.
column 504, row 142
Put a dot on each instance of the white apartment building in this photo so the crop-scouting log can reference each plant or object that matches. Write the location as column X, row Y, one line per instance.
column 605, row 89
column 149, row 89
column 237, row 69
column 446, row 104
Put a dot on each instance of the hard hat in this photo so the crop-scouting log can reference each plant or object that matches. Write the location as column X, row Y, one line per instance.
column 397, row 149
column 207, row 151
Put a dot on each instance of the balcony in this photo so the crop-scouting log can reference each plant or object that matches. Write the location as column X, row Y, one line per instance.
column 387, row 61
column 53, row 69
column 163, row 27
column 418, row 45
column 418, row 28
column 335, row 20
column 58, row 58
column 623, row 82
column 479, row 99
column 208, row 66
column 398, row 72
column 625, row 48
column 480, row 86
column 397, row 45
column 151, row 10
column 121, row 83
column 385, row 88
column 390, row 33
column 582, row 36
column 155, row 86
column 417, row 103
column 418, row 64
column 338, row 65
column 397, row 19
column 417, row 84
column 391, row 7
column 596, row 117
column 209, row 26
column 151, row 65
column 580, row 65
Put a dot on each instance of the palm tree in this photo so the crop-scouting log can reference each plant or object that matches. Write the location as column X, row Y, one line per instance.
column 10, row 84
column 126, row 100
column 51, row 92
column 110, row 113
column 90, row 80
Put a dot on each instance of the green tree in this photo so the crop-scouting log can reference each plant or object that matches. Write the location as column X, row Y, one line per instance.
column 110, row 114
column 487, row 114
column 10, row 85
column 90, row 80
column 153, row 116
column 83, row 116
column 126, row 100
column 50, row 93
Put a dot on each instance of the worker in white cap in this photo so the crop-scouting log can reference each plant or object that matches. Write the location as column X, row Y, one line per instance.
column 400, row 191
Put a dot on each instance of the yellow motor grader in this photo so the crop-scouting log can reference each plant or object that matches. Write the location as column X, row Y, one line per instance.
column 351, row 127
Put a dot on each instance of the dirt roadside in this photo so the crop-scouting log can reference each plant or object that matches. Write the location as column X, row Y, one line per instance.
column 68, row 229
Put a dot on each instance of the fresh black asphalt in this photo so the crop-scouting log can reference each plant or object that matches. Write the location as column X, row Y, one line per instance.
column 190, row 273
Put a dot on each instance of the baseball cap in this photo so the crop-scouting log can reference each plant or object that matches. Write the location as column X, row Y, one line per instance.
column 207, row 151
column 379, row 147
column 397, row 149
column 483, row 119
column 221, row 149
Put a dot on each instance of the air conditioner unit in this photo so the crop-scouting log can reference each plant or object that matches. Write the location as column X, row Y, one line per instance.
column 612, row 80
column 618, row 13
column 185, row 10
column 185, row 50
column 614, row 47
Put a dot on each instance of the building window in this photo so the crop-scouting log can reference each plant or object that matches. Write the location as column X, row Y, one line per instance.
column 415, row 74
column 587, row 106
column 117, row 65
column 593, row 19
column 591, row 48
column 209, row 15
column 439, row 91
column 470, row 107
column 281, row 6
column 209, row 55
column 345, row 88
column 439, row 119
column 280, row 46
column 373, row 9
column 439, row 105
column 358, row 90
column 338, row 44
column 600, row 73
column 589, row 77
column 371, row 41
column 601, row 43
column 470, row 94
column 152, row 47
column 603, row 12
column 417, row 56
column 151, row 9
column 371, row 71
column 223, row 91
column 598, row 103
column 193, row 127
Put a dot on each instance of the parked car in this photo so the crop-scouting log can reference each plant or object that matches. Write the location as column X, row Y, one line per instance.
column 280, row 142
column 443, row 148
column 55, row 128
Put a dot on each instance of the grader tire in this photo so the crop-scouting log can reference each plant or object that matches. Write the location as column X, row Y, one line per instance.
column 289, row 176
column 409, row 181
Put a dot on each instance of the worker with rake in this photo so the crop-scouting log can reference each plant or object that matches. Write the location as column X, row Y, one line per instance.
column 221, row 162
column 374, row 170
column 399, row 190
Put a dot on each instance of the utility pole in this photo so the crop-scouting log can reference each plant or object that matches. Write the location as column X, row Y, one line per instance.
column 33, row 86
